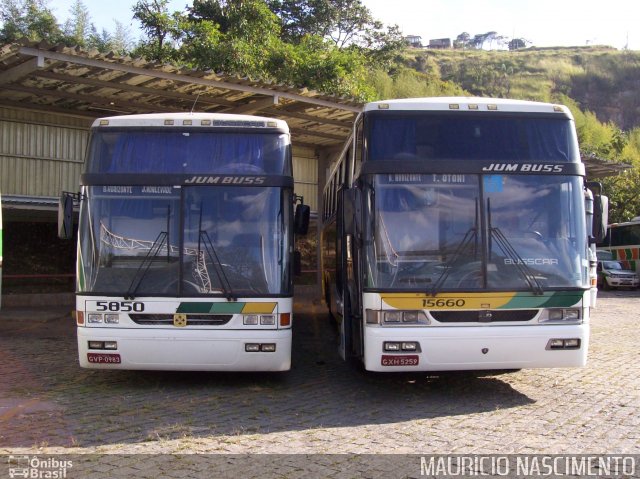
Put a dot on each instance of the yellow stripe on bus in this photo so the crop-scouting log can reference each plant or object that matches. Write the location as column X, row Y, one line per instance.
column 447, row 300
column 259, row 308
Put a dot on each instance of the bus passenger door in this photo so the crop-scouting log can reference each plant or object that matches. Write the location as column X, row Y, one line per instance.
column 349, row 214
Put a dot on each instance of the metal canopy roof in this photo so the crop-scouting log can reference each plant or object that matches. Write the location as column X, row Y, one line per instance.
column 62, row 79
column 73, row 81
column 599, row 167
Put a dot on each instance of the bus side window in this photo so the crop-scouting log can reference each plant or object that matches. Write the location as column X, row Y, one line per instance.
column 358, row 146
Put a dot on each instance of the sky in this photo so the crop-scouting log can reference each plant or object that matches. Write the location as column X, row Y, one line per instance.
column 544, row 23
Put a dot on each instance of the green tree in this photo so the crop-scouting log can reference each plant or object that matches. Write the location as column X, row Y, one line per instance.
column 30, row 19
column 100, row 41
column 119, row 41
column 344, row 22
column 236, row 36
column 161, row 28
column 517, row 43
column 463, row 41
column 78, row 28
column 303, row 17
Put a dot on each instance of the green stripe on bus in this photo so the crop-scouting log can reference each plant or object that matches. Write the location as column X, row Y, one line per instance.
column 207, row 307
column 557, row 299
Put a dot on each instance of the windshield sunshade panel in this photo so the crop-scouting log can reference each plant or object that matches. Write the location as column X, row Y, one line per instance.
column 153, row 152
column 471, row 137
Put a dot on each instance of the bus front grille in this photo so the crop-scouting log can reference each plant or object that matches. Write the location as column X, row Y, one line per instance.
column 484, row 316
column 192, row 319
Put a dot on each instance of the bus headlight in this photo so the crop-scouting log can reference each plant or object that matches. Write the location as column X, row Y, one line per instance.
column 110, row 318
column 392, row 316
column 250, row 319
column 561, row 315
column 259, row 319
column 267, row 319
column 396, row 317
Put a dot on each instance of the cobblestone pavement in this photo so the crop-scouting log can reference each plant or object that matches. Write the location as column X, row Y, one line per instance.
column 48, row 404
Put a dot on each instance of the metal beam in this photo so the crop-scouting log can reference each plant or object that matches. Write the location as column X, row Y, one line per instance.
column 49, row 109
column 20, row 71
column 113, row 104
column 319, row 134
column 302, row 116
column 254, row 106
column 116, row 85
column 181, row 78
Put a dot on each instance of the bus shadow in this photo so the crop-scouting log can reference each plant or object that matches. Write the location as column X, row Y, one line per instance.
column 102, row 408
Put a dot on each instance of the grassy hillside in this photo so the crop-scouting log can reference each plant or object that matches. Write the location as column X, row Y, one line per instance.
column 599, row 79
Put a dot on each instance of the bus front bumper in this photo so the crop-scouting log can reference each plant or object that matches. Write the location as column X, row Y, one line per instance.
column 185, row 350
column 475, row 348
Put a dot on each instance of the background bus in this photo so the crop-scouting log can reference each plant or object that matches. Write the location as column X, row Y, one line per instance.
column 457, row 235
column 185, row 243
column 623, row 241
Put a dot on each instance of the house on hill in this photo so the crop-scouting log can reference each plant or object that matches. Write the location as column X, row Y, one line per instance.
column 440, row 43
column 414, row 41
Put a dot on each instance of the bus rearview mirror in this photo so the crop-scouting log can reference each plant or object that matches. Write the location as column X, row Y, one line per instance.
column 301, row 219
column 65, row 216
column 600, row 217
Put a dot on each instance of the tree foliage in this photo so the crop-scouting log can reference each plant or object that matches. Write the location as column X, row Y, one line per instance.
column 30, row 19
column 78, row 28
column 33, row 20
column 245, row 37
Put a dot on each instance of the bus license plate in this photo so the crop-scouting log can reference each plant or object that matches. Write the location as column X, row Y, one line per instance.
column 405, row 360
column 103, row 358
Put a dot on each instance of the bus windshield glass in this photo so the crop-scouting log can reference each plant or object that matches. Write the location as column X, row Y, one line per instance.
column 188, row 151
column 189, row 241
column 473, row 136
column 470, row 232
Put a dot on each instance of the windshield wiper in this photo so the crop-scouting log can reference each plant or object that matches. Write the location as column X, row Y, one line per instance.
column 154, row 251
column 146, row 263
column 203, row 237
column 508, row 249
column 217, row 265
column 469, row 236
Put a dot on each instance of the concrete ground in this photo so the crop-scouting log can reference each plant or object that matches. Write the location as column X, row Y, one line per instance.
column 49, row 405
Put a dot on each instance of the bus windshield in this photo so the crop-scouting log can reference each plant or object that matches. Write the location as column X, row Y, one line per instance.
column 471, row 232
column 472, row 136
column 189, row 241
column 184, row 151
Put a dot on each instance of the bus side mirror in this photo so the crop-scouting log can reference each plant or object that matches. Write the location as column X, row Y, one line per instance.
column 600, row 217
column 65, row 216
column 598, row 208
column 351, row 200
column 301, row 219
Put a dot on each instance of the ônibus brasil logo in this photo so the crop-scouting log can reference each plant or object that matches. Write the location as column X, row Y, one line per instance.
column 34, row 467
